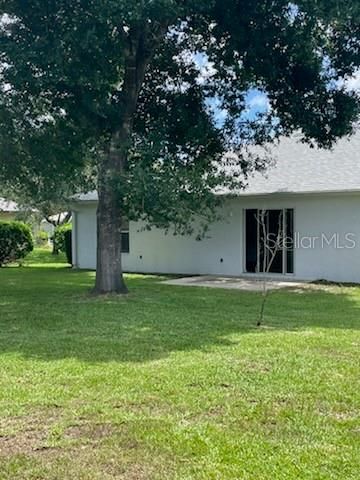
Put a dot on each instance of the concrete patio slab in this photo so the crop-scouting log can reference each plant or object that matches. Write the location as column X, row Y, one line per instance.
column 235, row 283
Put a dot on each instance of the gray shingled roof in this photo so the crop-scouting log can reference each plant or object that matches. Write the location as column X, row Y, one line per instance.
column 86, row 197
column 8, row 206
column 300, row 169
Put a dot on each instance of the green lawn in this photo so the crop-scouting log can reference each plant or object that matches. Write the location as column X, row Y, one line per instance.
column 175, row 382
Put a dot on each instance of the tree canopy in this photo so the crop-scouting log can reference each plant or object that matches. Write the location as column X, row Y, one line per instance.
column 127, row 89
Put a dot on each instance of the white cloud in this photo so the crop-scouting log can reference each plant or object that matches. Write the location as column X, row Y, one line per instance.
column 353, row 83
column 6, row 20
column 205, row 67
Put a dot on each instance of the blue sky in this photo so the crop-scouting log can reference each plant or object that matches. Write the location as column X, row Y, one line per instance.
column 256, row 102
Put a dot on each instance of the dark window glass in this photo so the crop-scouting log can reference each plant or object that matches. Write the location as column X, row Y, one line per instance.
column 125, row 243
column 125, row 240
column 289, row 240
column 266, row 226
column 275, row 228
column 251, row 241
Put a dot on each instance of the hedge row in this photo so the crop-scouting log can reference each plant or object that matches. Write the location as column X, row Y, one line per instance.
column 62, row 240
column 15, row 241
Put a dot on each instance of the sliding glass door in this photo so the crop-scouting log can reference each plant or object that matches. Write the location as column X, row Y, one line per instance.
column 269, row 238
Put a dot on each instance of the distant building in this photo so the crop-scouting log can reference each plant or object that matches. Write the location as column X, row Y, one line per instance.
column 8, row 209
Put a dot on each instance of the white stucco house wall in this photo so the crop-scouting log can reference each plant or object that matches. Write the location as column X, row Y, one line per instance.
column 317, row 194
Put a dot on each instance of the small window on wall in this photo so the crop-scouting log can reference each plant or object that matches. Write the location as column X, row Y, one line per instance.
column 125, row 240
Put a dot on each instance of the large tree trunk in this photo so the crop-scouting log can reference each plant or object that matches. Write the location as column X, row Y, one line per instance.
column 112, row 166
column 109, row 275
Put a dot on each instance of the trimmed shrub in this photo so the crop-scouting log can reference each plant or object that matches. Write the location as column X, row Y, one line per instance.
column 62, row 240
column 15, row 242
column 68, row 245
column 42, row 238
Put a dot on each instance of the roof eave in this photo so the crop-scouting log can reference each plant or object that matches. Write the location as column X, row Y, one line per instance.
column 282, row 193
column 286, row 193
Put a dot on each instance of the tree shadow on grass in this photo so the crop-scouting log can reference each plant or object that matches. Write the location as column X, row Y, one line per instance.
column 49, row 314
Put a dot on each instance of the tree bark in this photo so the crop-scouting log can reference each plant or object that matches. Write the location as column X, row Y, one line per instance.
column 109, row 275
